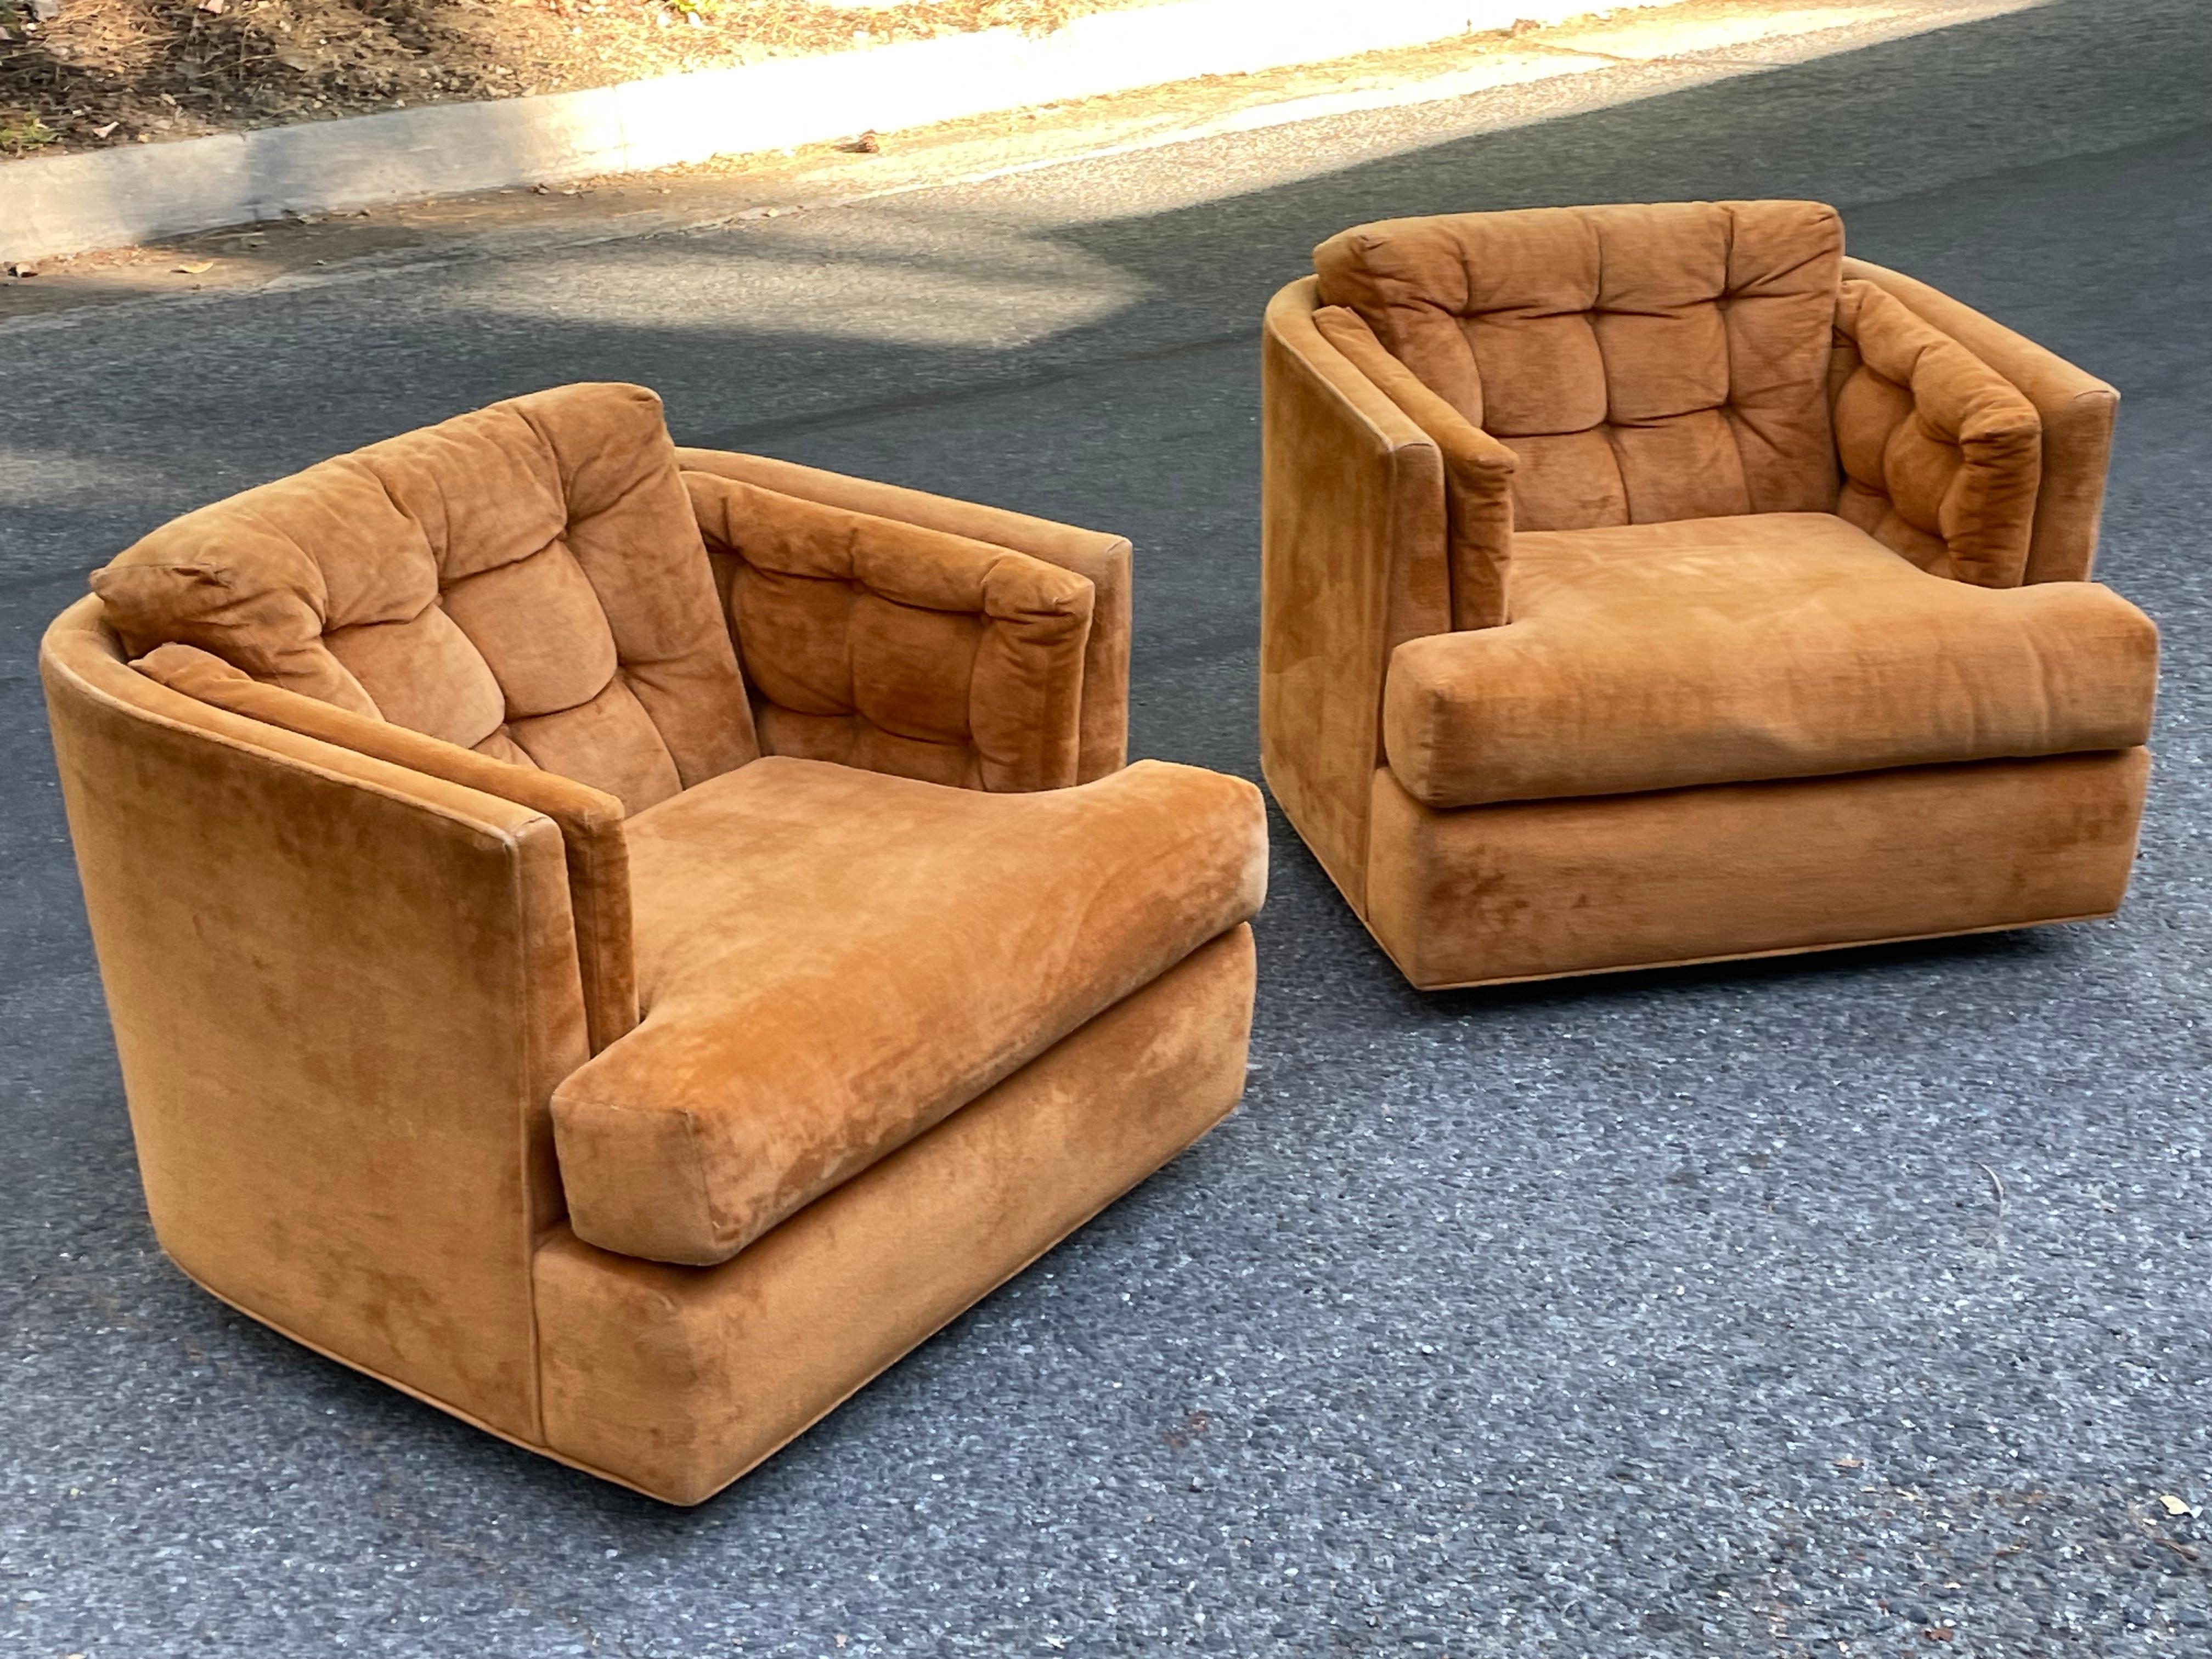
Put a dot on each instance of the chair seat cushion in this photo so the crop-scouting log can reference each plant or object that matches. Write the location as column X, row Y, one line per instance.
column 831, row 961
column 1778, row 645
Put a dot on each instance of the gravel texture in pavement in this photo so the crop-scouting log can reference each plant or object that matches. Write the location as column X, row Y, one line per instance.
column 1855, row 1305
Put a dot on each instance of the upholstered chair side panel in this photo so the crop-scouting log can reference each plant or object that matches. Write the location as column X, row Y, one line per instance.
column 1478, row 472
column 676, row 1380
column 1102, row 560
column 591, row 822
column 884, row 645
column 2077, row 411
column 1352, row 562
column 1646, row 363
column 1941, row 455
column 1539, row 889
column 341, row 992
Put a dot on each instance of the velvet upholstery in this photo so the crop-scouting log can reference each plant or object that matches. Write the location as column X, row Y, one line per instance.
column 1101, row 560
column 354, row 960
column 342, row 993
column 946, row 936
column 1942, row 456
column 1536, row 889
column 1478, row 473
column 1351, row 530
column 902, row 649
column 590, row 821
column 527, row 580
column 1601, row 508
column 852, row 1281
column 1768, row 646
column 1659, row 361
column 2075, row 409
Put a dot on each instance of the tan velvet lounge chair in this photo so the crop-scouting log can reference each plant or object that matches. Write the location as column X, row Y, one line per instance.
column 1653, row 584
column 630, row 1051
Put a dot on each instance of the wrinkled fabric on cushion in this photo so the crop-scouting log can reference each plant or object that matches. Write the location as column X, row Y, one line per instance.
column 591, row 822
column 1644, row 362
column 1478, row 472
column 1942, row 456
column 897, row 648
column 1771, row 646
column 831, row 961
column 526, row 581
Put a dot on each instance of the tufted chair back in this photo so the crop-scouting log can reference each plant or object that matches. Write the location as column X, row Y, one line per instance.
column 527, row 581
column 1643, row 363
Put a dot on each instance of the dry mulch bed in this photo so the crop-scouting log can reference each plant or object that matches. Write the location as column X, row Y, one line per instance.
column 84, row 74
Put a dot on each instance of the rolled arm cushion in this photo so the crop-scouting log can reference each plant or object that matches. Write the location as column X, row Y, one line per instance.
column 1477, row 472
column 834, row 960
column 1941, row 455
column 895, row 648
column 590, row 820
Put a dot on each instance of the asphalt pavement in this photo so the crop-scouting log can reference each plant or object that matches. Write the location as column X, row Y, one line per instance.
column 1852, row 1305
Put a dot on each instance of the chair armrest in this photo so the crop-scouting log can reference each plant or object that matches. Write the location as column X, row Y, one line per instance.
column 1477, row 472
column 896, row 648
column 1941, row 455
column 590, row 820
column 1352, row 564
column 1100, row 558
column 342, row 993
column 2077, row 410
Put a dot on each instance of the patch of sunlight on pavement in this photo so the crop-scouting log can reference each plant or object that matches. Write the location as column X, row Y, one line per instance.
column 950, row 279
column 1010, row 285
column 1675, row 37
column 29, row 478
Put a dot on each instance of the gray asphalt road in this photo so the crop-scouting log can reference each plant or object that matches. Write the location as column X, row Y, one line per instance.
column 1665, row 1315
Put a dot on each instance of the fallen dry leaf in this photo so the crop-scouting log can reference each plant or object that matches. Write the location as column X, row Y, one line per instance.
column 1850, row 1462
column 2174, row 1505
column 212, row 8
column 866, row 144
column 193, row 268
column 1938, row 1633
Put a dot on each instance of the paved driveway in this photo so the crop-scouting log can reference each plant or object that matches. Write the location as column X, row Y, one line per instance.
column 1670, row 1315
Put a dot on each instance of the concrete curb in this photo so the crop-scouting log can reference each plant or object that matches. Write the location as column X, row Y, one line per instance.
column 51, row 206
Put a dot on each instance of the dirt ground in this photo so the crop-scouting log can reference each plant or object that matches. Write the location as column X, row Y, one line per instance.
column 84, row 74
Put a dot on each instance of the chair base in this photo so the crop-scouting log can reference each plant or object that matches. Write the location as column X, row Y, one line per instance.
column 1546, row 889
column 674, row 1381
column 677, row 1380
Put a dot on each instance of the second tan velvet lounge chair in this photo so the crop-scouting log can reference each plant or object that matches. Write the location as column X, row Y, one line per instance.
column 621, row 943
column 1650, row 585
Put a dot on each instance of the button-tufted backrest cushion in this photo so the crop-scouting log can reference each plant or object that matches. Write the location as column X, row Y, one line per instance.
column 1942, row 456
column 897, row 648
column 527, row 581
column 1644, row 362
